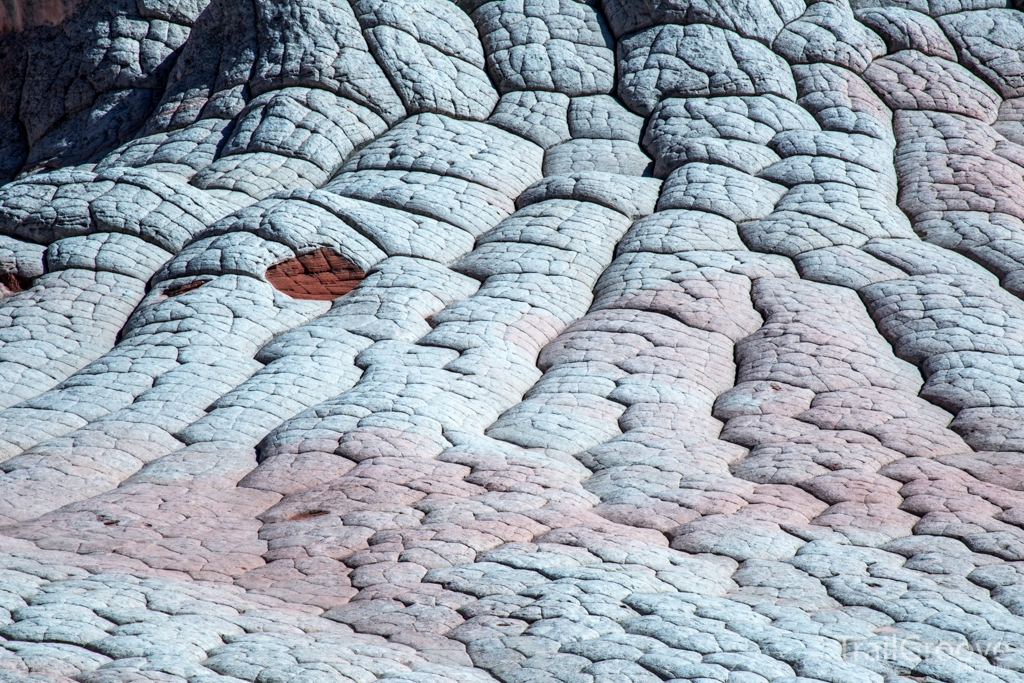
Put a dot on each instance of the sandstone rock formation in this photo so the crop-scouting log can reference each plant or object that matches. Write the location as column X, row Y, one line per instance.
column 435, row 341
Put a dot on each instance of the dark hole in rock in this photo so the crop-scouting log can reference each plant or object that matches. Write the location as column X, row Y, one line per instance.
column 308, row 514
column 319, row 275
column 175, row 290
column 14, row 283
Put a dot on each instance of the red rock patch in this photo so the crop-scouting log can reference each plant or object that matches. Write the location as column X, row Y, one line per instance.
column 320, row 275
column 23, row 14
column 175, row 290
column 12, row 283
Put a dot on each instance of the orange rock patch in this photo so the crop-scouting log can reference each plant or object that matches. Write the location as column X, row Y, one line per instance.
column 320, row 275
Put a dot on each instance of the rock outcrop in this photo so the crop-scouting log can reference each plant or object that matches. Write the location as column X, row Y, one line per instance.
column 615, row 341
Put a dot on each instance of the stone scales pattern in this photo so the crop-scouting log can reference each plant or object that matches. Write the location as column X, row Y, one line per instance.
column 530, row 341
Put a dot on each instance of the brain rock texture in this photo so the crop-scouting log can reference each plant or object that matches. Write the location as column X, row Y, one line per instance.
column 519, row 341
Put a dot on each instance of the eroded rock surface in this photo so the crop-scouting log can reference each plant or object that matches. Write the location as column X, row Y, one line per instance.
column 603, row 341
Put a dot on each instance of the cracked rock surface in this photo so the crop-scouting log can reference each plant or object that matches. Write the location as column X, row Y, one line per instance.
column 518, row 341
